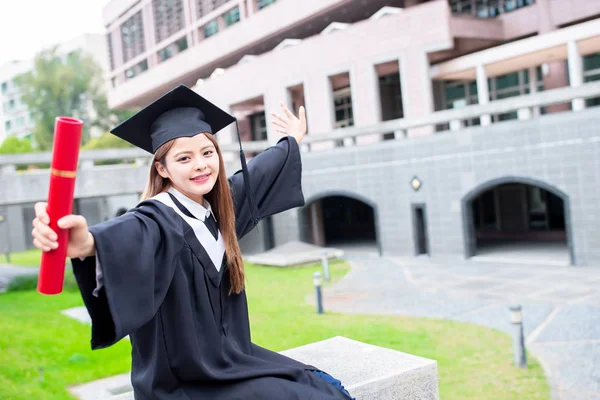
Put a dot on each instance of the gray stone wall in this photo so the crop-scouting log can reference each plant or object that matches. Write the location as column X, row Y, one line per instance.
column 561, row 150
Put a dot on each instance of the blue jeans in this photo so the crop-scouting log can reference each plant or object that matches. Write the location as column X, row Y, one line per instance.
column 333, row 381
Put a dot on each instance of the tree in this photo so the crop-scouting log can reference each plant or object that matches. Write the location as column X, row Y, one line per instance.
column 66, row 85
column 106, row 141
column 59, row 86
column 13, row 145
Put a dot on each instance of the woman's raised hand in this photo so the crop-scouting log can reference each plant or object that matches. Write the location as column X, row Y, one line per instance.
column 289, row 124
column 81, row 241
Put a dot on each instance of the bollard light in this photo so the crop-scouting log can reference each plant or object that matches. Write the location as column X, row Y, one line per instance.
column 516, row 319
column 319, row 295
column 317, row 279
column 516, row 316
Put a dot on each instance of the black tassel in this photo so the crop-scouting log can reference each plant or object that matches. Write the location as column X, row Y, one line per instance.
column 253, row 210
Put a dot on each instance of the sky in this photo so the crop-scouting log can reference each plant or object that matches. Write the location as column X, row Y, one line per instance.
column 28, row 26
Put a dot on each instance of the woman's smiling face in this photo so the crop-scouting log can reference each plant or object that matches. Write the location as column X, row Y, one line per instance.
column 192, row 166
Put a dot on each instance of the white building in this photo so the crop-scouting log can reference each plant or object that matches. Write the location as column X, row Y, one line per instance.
column 15, row 118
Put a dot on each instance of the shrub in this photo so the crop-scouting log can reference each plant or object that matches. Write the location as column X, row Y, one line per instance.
column 29, row 282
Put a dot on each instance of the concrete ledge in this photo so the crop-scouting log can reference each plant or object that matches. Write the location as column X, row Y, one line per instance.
column 368, row 372
column 294, row 254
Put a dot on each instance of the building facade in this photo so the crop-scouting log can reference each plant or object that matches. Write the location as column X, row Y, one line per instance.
column 396, row 159
column 15, row 118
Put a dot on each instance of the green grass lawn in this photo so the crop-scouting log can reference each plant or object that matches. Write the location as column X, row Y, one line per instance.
column 42, row 352
column 28, row 258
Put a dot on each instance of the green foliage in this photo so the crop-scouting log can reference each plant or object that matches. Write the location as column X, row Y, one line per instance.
column 70, row 85
column 14, row 145
column 106, row 141
column 29, row 282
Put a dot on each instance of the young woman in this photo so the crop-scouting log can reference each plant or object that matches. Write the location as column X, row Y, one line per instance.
column 169, row 273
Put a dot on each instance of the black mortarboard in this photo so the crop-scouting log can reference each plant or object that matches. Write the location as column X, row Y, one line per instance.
column 179, row 113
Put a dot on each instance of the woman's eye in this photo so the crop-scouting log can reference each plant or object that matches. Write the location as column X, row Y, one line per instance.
column 183, row 159
column 208, row 152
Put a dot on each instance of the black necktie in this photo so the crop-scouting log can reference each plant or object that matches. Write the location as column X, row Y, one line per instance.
column 211, row 224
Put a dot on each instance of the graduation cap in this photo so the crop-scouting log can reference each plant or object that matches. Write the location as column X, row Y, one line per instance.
column 179, row 113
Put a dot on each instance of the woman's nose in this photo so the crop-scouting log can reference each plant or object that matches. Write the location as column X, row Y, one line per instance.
column 200, row 164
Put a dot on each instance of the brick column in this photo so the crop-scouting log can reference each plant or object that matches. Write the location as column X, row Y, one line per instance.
column 483, row 94
column 417, row 89
column 272, row 97
column 575, row 72
column 318, row 96
column 149, row 33
column 366, row 102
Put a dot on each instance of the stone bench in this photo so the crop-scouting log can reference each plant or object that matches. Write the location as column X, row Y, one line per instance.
column 366, row 371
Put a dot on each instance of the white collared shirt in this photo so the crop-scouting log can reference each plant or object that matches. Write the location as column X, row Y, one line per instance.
column 200, row 211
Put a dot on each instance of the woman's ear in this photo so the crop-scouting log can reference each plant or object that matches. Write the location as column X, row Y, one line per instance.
column 162, row 171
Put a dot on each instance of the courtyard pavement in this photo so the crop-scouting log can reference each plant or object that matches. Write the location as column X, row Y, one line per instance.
column 561, row 306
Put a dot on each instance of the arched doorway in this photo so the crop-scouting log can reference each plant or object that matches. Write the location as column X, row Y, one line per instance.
column 518, row 219
column 342, row 220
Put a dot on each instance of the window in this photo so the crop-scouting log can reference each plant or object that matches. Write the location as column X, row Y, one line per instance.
column 210, row 29
column 168, row 18
column 203, row 7
column 258, row 124
column 591, row 73
column 264, row 3
column 181, row 44
column 4, row 87
column 390, row 97
column 487, row 8
column 232, row 16
column 20, row 122
column 7, row 126
column 173, row 49
column 342, row 100
column 136, row 69
column 132, row 37
column 11, row 105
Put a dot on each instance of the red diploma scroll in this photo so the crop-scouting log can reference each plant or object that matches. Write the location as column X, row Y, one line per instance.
column 65, row 154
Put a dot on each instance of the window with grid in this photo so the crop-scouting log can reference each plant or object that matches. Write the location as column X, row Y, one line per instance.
column 168, row 18
column 203, row 7
column 342, row 100
column 591, row 73
column 132, row 37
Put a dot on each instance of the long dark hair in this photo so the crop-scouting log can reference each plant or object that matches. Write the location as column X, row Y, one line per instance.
column 222, row 205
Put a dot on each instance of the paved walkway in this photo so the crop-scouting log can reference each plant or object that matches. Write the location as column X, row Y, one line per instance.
column 561, row 306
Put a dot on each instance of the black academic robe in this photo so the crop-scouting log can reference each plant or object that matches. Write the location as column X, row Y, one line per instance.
column 190, row 338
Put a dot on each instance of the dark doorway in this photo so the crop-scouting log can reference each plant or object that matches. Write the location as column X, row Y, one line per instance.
column 341, row 221
column 420, row 230
column 519, row 220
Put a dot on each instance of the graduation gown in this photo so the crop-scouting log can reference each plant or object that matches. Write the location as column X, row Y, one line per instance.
column 190, row 338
